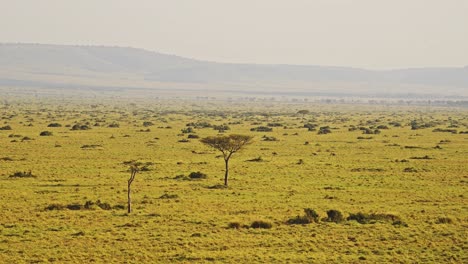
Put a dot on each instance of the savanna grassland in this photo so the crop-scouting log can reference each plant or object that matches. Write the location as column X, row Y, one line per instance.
column 399, row 174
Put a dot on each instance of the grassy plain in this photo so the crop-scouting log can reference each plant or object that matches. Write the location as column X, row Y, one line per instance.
column 419, row 176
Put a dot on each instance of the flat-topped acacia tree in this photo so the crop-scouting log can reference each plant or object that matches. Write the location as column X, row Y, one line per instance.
column 228, row 145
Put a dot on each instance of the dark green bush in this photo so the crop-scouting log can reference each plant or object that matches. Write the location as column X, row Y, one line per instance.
column 22, row 174
column 197, row 175
column 261, row 129
column 45, row 133
column 261, row 224
column 334, row 216
column 54, row 125
column 310, row 215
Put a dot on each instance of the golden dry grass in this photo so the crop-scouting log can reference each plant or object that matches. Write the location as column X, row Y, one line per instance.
column 338, row 171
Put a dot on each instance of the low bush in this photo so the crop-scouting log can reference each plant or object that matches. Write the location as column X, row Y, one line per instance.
column 310, row 216
column 197, row 175
column 234, row 225
column 45, row 133
column 324, row 130
column 334, row 216
column 262, row 129
column 54, row 125
column 444, row 220
column 261, row 224
column 22, row 174
column 80, row 127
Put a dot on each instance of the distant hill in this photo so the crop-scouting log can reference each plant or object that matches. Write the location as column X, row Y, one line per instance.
column 101, row 67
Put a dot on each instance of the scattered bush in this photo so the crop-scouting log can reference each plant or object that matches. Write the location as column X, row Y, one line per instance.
column 80, row 127
column 221, row 128
column 45, row 133
column 423, row 157
column 309, row 216
column 55, row 207
column 364, row 218
column 234, row 225
column 310, row 127
column 114, row 125
column 88, row 205
column 265, row 138
column 410, row 169
column 147, row 124
column 5, row 128
column 444, row 220
column 261, row 224
column 193, row 136
column 334, row 216
column 262, row 129
column 453, row 131
column 22, row 174
column 274, row 125
column 187, row 130
column 94, row 146
column 54, row 125
column 324, row 130
column 197, row 175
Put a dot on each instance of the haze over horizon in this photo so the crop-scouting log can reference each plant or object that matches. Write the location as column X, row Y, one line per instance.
column 362, row 34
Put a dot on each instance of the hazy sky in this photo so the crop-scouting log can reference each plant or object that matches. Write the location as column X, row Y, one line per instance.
column 360, row 33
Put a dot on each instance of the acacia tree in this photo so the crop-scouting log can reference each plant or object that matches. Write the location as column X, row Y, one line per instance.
column 303, row 113
column 228, row 145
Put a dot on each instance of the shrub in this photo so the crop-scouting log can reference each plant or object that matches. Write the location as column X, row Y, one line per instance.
column 55, row 207
column 364, row 218
column 444, row 220
column 261, row 224
column 74, row 207
column 274, row 124
column 359, row 217
column 45, row 133
column 5, row 128
column 309, row 216
column 234, row 225
column 80, row 127
column 261, row 129
column 187, row 130
column 54, row 125
column 410, row 169
column 324, row 130
column 114, row 125
column 334, row 216
column 147, row 124
column 22, row 174
column 103, row 206
column 310, row 127
column 221, row 127
column 197, row 175
column 453, row 131
column 193, row 136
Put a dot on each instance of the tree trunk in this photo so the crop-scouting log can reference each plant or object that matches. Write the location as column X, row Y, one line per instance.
column 226, row 173
column 129, row 199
